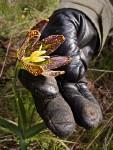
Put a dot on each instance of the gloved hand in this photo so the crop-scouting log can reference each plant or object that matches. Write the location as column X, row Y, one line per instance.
column 66, row 99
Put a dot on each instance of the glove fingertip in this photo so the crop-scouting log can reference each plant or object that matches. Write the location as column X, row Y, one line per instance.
column 57, row 115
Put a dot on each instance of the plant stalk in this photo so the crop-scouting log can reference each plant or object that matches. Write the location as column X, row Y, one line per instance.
column 23, row 144
column 17, row 101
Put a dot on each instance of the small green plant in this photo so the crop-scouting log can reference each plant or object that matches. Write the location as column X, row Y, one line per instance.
column 33, row 57
column 21, row 128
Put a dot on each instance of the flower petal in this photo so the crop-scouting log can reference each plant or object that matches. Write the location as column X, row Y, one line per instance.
column 40, row 25
column 31, row 36
column 50, row 44
column 57, row 61
column 32, row 68
column 26, row 59
column 52, row 73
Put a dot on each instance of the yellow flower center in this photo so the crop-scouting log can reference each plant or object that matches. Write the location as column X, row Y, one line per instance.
column 36, row 56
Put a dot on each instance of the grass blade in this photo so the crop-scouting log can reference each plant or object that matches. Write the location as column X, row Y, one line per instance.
column 32, row 131
column 10, row 125
column 19, row 103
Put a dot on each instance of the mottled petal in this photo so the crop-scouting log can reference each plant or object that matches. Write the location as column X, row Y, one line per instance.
column 32, row 68
column 51, row 43
column 52, row 73
column 40, row 25
column 31, row 36
column 43, row 63
column 57, row 61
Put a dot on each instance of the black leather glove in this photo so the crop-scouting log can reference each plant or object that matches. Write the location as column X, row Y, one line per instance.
column 65, row 100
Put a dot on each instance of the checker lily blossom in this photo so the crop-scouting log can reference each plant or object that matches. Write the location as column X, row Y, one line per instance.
column 33, row 55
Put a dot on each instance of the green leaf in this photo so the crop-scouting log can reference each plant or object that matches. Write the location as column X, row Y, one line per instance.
column 19, row 104
column 16, row 72
column 32, row 131
column 5, row 130
column 31, row 114
column 10, row 125
column 23, row 144
column 22, row 118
